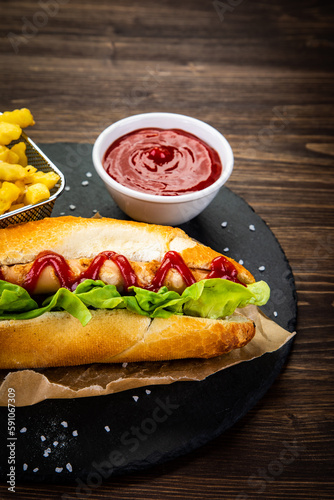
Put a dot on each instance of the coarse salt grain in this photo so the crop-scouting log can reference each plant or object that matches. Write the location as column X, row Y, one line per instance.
column 261, row 268
column 251, row 227
column 74, row 433
column 275, row 313
column 55, row 443
column 72, row 207
column 36, row 469
column 89, row 174
column 124, row 365
column 24, row 429
column 241, row 262
column 107, row 428
column 64, row 424
column 43, row 438
column 148, row 391
column 223, row 224
column 59, row 469
column 84, row 183
column 69, row 467
column 226, row 249
column 25, row 466
column 135, row 398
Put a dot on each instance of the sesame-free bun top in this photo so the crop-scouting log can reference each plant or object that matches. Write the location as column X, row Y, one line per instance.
column 77, row 237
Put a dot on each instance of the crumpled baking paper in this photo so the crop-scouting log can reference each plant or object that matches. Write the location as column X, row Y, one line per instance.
column 32, row 386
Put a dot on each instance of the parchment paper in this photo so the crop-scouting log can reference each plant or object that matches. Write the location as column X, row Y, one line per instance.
column 32, row 386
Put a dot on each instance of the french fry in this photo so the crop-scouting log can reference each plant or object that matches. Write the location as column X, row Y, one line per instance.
column 49, row 178
column 9, row 132
column 8, row 155
column 21, row 184
column 4, row 153
column 30, row 170
column 11, row 172
column 16, row 206
column 8, row 194
column 21, row 117
column 36, row 193
column 23, row 188
column 12, row 157
column 20, row 150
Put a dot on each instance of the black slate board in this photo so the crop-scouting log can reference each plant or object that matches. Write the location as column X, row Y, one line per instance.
column 86, row 441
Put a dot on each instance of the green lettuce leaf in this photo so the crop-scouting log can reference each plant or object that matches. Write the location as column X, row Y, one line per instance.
column 99, row 295
column 16, row 303
column 161, row 304
column 212, row 298
column 14, row 298
column 216, row 298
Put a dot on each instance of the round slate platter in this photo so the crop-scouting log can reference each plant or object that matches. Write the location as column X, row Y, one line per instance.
column 86, row 441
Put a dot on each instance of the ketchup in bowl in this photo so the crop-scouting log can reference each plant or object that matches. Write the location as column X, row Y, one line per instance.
column 167, row 162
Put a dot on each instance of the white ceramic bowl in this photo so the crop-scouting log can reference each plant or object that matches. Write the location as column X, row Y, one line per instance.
column 170, row 210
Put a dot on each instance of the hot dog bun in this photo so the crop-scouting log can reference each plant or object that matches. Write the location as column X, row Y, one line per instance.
column 76, row 237
column 58, row 339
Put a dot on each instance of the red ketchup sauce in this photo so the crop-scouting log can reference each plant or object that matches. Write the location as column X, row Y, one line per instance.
column 43, row 260
column 65, row 276
column 220, row 268
column 172, row 260
column 224, row 269
column 128, row 274
column 166, row 162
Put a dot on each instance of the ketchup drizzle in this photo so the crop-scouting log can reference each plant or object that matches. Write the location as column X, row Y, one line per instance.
column 92, row 272
column 44, row 259
column 172, row 260
column 65, row 276
column 221, row 267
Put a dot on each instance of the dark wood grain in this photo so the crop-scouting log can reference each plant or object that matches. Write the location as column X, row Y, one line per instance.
column 262, row 73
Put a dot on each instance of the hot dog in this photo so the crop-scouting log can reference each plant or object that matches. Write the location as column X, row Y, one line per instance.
column 76, row 291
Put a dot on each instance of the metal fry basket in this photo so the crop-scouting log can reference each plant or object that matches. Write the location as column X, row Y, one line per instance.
column 39, row 160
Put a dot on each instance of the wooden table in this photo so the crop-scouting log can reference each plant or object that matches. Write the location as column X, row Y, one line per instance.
column 261, row 73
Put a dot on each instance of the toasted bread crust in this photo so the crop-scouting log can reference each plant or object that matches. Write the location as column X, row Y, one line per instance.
column 76, row 238
column 58, row 339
